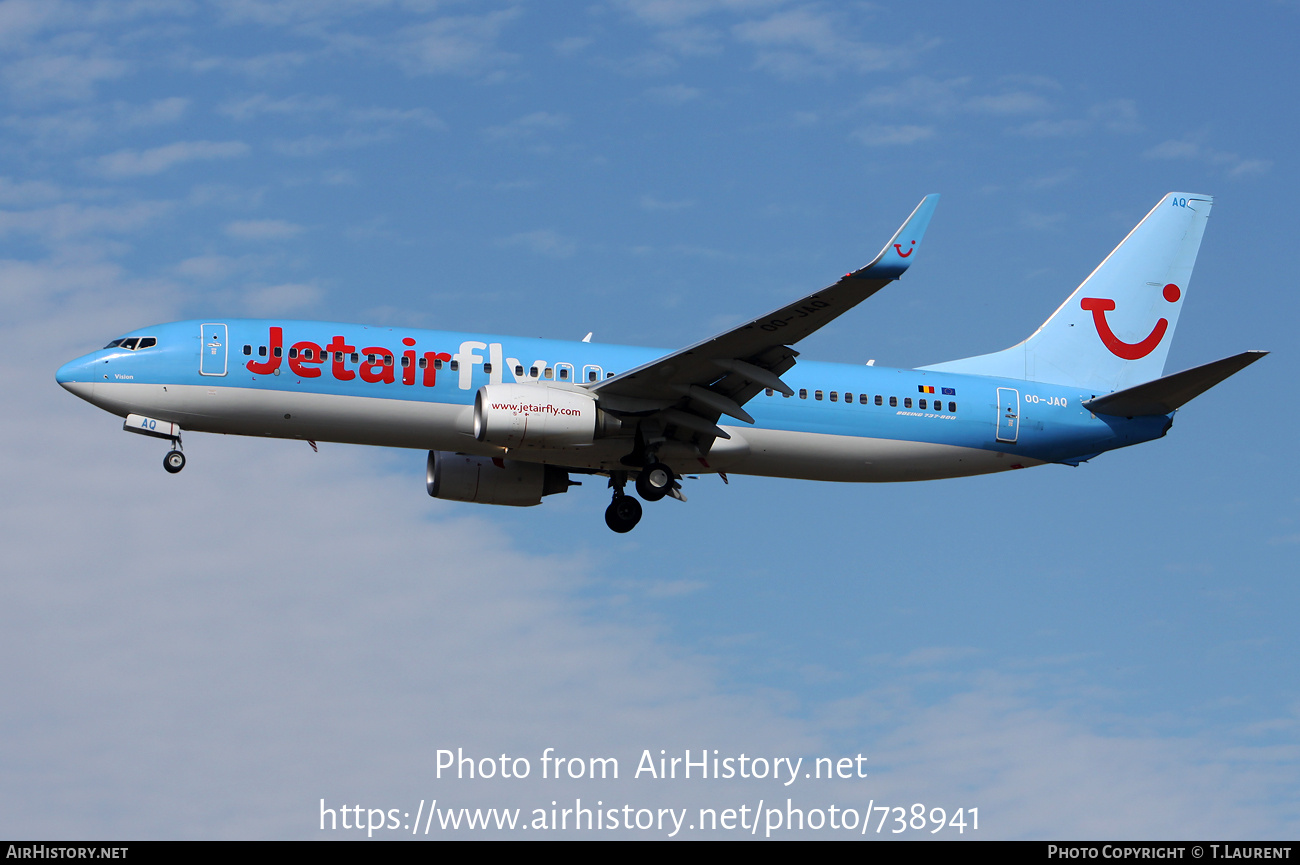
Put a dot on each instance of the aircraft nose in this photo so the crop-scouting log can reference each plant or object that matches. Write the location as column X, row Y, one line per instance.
column 74, row 376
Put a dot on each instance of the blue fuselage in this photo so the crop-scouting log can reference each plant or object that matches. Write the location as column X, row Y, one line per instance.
column 412, row 388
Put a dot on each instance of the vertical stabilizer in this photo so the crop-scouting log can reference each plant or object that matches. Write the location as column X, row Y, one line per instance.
column 1114, row 331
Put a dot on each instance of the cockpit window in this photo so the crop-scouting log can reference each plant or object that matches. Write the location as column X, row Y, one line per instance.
column 133, row 343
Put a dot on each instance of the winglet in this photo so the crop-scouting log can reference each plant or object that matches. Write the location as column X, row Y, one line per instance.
column 897, row 254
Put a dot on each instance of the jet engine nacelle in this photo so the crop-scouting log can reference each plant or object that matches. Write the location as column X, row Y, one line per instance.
column 492, row 481
column 537, row 415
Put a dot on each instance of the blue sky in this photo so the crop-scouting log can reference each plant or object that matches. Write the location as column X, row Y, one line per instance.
column 1106, row 651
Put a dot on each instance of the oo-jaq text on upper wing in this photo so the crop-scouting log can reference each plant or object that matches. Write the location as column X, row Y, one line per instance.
column 686, row 392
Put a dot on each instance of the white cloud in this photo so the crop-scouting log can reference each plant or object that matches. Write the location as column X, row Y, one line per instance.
column 64, row 221
column 1192, row 150
column 315, row 145
column 27, row 192
column 570, row 45
column 543, row 242
column 878, row 135
column 261, row 104
column 136, row 163
column 920, row 93
column 528, row 126
column 1041, row 221
column 262, row 229
column 279, row 299
column 1053, row 128
column 60, row 76
column 57, row 131
column 805, row 40
column 275, row 64
column 1014, row 102
column 275, row 626
column 673, row 94
column 156, row 113
column 652, row 203
column 462, row 45
column 1116, row 115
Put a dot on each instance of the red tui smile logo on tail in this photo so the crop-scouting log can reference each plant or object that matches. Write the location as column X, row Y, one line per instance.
column 1099, row 306
column 910, row 249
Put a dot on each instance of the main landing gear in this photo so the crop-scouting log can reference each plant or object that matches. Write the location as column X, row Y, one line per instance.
column 653, row 482
column 623, row 513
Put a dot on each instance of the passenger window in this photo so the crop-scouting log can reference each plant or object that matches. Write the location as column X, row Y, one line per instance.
column 455, row 366
column 338, row 357
column 279, row 351
column 293, row 352
column 424, row 362
column 406, row 361
column 261, row 351
column 548, row 373
column 355, row 357
column 437, row 364
column 532, row 371
column 907, row 402
column 564, row 374
column 519, row 371
column 880, row 400
column 803, row 393
column 835, row 397
column 388, row 360
column 817, row 394
column 248, row 350
column 309, row 354
column 848, row 397
column 769, row 391
column 609, row 375
column 370, row 358
column 487, row 367
column 591, row 375
column 952, row 407
column 922, row 403
column 893, row 401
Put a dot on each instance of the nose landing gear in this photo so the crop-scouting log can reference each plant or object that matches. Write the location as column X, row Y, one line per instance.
column 174, row 462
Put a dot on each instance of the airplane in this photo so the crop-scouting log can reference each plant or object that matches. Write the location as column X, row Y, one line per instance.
column 508, row 420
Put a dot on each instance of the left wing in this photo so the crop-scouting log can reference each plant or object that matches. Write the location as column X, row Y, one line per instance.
column 691, row 388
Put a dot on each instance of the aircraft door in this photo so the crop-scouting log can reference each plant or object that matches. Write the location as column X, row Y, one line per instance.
column 1008, row 414
column 213, row 348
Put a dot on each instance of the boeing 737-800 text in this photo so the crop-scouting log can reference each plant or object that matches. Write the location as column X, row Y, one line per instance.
column 508, row 420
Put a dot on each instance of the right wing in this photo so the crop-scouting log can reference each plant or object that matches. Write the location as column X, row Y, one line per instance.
column 691, row 388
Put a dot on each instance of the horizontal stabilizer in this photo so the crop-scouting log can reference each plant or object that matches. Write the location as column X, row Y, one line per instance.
column 1164, row 395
